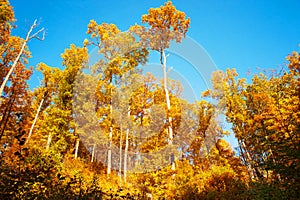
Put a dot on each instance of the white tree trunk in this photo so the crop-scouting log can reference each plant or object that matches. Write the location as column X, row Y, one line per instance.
column 126, row 146
column 34, row 121
column 109, row 155
column 28, row 37
column 49, row 141
column 93, row 153
column 170, row 129
column 120, row 154
column 109, row 148
column 76, row 149
column 110, row 135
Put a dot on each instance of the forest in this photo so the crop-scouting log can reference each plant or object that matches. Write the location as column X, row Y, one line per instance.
column 111, row 131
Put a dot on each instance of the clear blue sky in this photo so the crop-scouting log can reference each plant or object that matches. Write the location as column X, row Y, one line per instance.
column 235, row 33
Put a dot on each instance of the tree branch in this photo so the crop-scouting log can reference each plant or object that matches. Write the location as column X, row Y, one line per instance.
column 28, row 37
column 36, row 35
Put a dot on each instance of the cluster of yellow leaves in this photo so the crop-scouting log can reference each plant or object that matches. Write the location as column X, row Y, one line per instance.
column 103, row 32
column 6, row 19
column 222, row 177
column 166, row 24
column 16, row 97
column 265, row 118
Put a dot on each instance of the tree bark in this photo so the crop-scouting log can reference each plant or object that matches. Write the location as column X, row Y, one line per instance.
column 254, row 170
column 93, row 153
column 28, row 37
column 49, row 141
column 170, row 129
column 76, row 149
column 34, row 121
column 120, row 154
column 126, row 146
column 110, row 135
column 109, row 155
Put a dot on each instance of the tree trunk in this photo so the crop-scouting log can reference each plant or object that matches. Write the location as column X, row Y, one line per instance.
column 34, row 121
column 28, row 37
column 76, row 149
column 109, row 152
column 120, row 153
column 253, row 169
column 93, row 153
column 49, row 141
column 110, row 134
column 170, row 129
column 126, row 146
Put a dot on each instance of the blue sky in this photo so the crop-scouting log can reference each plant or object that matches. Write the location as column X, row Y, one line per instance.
column 240, row 34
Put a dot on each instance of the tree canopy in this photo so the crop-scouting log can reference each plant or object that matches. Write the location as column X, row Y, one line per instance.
column 110, row 131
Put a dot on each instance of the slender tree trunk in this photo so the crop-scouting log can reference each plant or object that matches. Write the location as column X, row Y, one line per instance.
column 120, row 153
column 275, row 163
column 110, row 134
column 253, row 169
column 109, row 151
column 76, row 149
column 244, row 159
column 14, row 64
column 34, row 121
column 28, row 37
column 93, row 153
column 139, row 143
column 49, row 141
column 170, row 129
column 126, row 146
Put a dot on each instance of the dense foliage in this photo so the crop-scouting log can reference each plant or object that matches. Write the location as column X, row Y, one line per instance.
column 44, row 154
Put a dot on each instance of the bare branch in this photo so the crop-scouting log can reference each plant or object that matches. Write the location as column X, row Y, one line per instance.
column 29, row 32
column 36, row 34
column 169, row 70
column 28, row 37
